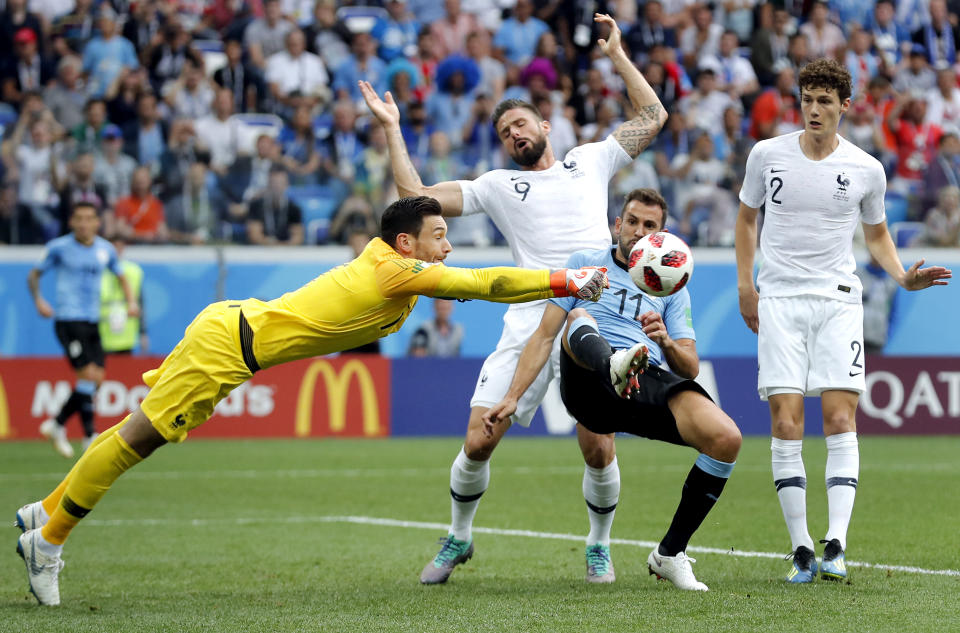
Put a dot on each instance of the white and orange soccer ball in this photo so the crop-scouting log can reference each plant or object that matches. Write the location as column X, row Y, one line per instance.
column 661, row 264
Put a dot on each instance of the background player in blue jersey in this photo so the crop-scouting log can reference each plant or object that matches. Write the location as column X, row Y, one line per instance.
column 609, row 392
column 79, row 259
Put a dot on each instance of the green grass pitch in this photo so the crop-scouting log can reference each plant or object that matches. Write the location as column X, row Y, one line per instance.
column 282, row 535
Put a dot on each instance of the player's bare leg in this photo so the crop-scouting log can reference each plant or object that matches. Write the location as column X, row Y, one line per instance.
column 601, row 491
column 790, row 478
column 842, row 473
column 85, row 485
column 705, row 427
column 469, row 478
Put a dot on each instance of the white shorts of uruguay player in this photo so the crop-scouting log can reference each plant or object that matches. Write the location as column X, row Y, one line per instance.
column 519, row 323
column 810, row 344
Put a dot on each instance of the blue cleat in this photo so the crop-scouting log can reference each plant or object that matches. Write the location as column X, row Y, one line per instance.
column 834, row 566
column 804, row 566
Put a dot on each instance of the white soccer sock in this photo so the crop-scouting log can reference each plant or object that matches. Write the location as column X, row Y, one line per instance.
column 601, row 490
column 47, row 548
column 791, row 481
column 843, row 469
column 468, row 480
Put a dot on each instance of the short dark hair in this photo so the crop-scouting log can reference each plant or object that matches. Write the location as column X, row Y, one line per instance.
column 645, row 195
column 83, row 205
column 829, row 74
column 406, row 216
column 510, row 104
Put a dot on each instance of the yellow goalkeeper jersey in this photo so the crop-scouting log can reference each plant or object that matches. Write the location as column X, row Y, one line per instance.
column 370, row 297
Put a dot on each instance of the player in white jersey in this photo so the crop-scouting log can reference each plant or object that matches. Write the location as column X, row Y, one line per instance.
column 814, row 187
column 547, row 210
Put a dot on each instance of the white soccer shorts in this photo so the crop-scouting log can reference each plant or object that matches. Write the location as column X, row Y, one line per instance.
column 810, row 344
column 519, row 323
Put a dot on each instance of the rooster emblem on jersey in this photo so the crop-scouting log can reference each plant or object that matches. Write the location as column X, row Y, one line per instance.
column 843, row 181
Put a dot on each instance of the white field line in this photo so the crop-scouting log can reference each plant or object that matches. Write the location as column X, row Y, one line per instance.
column 443, row 527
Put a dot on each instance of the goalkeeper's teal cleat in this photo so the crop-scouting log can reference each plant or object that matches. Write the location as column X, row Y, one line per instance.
column 804, row 566
column 834, row 565
column 599, row 564
column 452, row 553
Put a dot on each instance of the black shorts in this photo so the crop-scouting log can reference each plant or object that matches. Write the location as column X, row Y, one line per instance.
column 81, row 342
column 591, row 399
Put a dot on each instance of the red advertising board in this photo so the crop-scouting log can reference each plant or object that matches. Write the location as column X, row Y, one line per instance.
column 348, row 396
column 911, row 396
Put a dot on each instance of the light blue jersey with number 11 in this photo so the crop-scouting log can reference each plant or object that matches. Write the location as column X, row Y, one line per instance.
column 623, row 302
column 78, row 269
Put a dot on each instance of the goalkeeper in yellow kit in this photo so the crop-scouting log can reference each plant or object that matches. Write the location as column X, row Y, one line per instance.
column 228, row 341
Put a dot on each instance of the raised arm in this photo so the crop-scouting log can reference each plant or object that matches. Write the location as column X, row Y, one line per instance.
column 636, row 134
column 532, row 359
column 881, row 246
column 448, row 194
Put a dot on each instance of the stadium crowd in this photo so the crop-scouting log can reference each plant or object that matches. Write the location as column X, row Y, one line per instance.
column 240, row 121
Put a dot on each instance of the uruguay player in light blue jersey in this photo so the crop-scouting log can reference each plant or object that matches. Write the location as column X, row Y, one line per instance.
column 645, row 388
column 79, row 259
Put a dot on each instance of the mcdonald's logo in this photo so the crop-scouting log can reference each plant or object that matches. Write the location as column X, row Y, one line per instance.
column 337, row 385
column 4, row 413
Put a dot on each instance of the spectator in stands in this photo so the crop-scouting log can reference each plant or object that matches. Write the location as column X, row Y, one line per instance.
column 274, row 218
column 516, row 40
column 649, row 32
column 144, row 28
column 427, row 60
column 113, row 169
column 770, row 43
column 879, row 300
column 38, row 169
column 219, row 133
column 590, row 94
column 777, row 110
column 563, row 134
column 492, row 72
column 452, row 31
column 191, row 95
column 264, row 36
column 824, row 37
column 146, row 138
column 246, row 179
column 374, row 174
column 944, row 170
column 342, row 149
column 327, row 36
column 449, row 107
column 703, row 108
column 891, row 40
column 81, row 187
column 439, row 337
column 734, row 73
column 943, row 102
column 300, row 148
column 917, row 75
column 182, row 151
column 353, row 222
column 16, row 17
column 701, row 38
column 140, row 216
column 397, row 32
column 294, row 71
column 66, row 96
column 917, row 141
column 87, row 135
column 799, row 53
column 72, row 30
column 191, row 216
column 608, row 119
column 16, row 226
column 403, row 81
column 105, row 55
column 861, row 128
column 362, row 65
column 416, row 134
column 937, row 36
column 240, row 78
column 732, row 146
column 862, row 64
column 28, row 71
column 942, row 223
column 704, row 198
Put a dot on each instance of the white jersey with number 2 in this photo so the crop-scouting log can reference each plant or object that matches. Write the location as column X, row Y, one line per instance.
column 811, row 211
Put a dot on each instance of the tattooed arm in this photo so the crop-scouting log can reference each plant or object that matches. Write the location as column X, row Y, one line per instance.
column 448, row 194
column 636, row 134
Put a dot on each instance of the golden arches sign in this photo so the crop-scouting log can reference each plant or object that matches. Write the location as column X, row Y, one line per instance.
column 4, row 413
column 337, row 385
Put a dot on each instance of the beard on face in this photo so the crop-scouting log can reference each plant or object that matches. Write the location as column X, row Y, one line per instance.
column 623, row 243
column 528, row 156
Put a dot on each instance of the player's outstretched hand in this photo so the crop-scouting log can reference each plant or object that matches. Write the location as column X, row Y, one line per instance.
column 497, row 414
column 917, row 278
column 612, row 43
column 585, row 283
column 133, row 310
column 749, row 302
column 43, row 308
column 387, row 111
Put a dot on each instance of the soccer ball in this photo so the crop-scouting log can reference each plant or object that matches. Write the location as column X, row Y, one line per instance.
column 661, row 264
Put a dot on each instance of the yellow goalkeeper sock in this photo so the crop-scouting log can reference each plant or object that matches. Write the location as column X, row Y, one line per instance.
column 92, row 477
column 52, row 500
